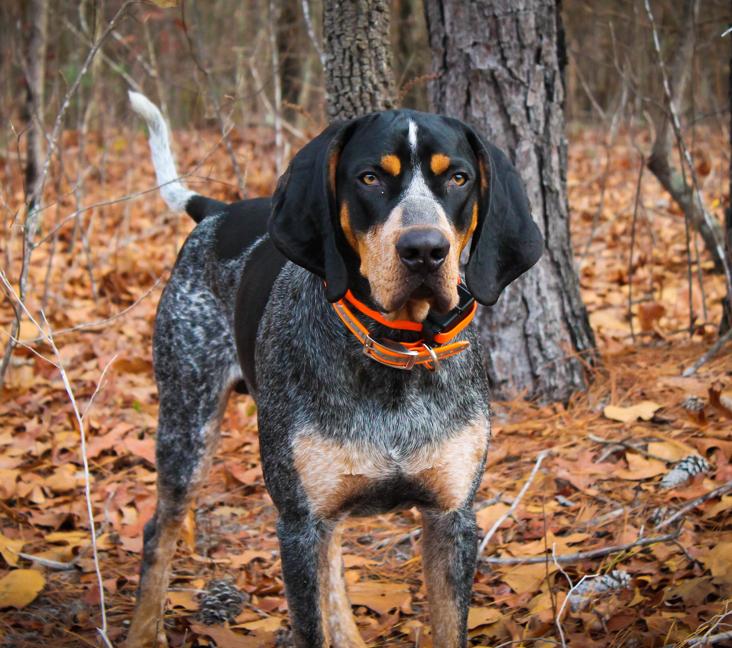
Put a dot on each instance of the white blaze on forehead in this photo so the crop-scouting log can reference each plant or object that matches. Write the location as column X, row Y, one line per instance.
column 418, row 205
column 412, row 137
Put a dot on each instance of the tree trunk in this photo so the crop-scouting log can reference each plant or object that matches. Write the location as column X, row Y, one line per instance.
column 726, row 323
column 659, row 163
column 35, row 101
column 500, row 66
column 358, row 71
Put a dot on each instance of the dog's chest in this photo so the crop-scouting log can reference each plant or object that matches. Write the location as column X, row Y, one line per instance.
column 361, row 477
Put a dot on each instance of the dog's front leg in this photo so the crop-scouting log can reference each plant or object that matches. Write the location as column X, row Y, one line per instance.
column 302, row 540
column 449, row 547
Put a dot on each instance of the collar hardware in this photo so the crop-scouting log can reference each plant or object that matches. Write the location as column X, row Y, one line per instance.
column 407, row 355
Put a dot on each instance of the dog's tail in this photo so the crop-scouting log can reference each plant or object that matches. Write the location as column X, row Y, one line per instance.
column 176, row 195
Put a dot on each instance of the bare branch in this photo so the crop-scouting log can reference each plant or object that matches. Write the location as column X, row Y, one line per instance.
column 582, row 555
column 717, row 492
column 541, row 456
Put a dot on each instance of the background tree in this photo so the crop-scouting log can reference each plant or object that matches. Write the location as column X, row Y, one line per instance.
column 358, row 68
column 505, row 78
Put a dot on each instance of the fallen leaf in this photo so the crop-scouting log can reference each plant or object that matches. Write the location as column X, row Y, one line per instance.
column 640, row 467
column 73, row 538
column 9, row 549
column 670, row 450
column 20, row 587
column 488, row 515
column 144, row 448
column 248, row 555
column 185, row 600
column 379, row 596
column 64, row 479
column 524, row 579
column 718, row 560
column 225, row 638
column 482, row 616
column 268, row 624
column 643, row 410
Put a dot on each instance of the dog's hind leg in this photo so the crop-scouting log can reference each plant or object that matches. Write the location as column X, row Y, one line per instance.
column 195, row 366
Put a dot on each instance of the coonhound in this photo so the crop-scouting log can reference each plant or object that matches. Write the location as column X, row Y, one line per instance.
column 340, row 305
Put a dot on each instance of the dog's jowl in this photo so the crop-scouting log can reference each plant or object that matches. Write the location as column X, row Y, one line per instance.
column 341, row 306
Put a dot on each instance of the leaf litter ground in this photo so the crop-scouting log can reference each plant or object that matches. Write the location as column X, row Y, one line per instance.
column 600, row 487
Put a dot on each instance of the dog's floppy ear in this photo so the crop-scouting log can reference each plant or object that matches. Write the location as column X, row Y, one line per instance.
column 506, row 242
column 304, row 210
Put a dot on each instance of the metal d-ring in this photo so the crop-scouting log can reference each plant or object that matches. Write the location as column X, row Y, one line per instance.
column 435, row 362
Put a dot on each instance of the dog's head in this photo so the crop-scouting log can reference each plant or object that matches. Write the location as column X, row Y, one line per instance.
column 386, row 203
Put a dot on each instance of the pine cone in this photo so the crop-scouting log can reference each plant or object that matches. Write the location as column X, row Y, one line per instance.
column 614, row 581
column 221, row 602
column 684, row 470
column 694, row 406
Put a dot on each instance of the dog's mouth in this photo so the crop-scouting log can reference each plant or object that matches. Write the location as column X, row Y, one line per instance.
column 417, row 297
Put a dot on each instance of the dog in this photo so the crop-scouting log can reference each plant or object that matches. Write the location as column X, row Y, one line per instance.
column 339, row 304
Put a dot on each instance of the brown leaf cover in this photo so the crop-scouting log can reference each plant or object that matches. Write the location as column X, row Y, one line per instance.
column 587, row 495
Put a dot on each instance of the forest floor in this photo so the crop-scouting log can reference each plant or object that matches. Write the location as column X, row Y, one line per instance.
column 600, row 485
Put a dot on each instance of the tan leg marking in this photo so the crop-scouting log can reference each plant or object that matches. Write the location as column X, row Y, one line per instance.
column 147, row 630
column 439, row 163
column 339, row 626
column 391, row 164
column 444, row 615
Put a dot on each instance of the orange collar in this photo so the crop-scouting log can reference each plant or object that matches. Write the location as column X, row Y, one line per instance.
column 405, row 355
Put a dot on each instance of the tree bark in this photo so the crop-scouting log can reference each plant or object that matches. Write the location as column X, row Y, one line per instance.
column 358, row 71
column 500, row 66
column 726, row 323
column 35, row 101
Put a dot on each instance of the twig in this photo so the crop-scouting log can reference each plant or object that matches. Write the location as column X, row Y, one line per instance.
column 623, row 444
column 311, row 31
column 32, row 215
column 541, row 456
column 240, row 178
column 686, row 157
column 713, row 350
column 717, row 492
column 102, row 322
column 582, row 555
column 48, row 337
column 632, row 247
column 46, row 562
column 277, row 86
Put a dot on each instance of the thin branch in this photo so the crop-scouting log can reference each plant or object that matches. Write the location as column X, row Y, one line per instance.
column 583, row 555
column 632, row 247
column 48, row 337
column 713, row 350
column 240, row 178
column 717, row 492
column 540, row 457
column 311, row 31
column 718, row 250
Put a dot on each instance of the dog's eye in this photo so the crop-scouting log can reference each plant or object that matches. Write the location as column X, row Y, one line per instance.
column 369, row 179
column 459, row 179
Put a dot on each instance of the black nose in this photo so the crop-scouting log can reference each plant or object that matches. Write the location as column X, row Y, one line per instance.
column 423, row 250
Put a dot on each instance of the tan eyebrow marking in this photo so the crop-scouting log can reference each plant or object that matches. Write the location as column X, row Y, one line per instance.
column 439, row 163
column 391, row 164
